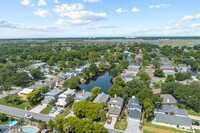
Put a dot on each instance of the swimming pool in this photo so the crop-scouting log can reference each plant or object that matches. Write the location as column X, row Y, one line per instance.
column 28, row 129
column 12, row 123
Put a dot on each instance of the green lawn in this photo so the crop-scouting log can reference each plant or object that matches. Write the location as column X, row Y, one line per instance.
column 163, row 127
column 192, row 112
column 145, row 131
column 121, row 124
column 46, row 110
column 24, row 105
column 66, row 112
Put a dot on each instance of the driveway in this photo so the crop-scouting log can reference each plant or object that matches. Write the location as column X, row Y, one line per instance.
column 20, row 113
column 133, row 126
column 38, row 108
column 111, row 126
column 71, row 114
column 54, row 114
column 194, row 117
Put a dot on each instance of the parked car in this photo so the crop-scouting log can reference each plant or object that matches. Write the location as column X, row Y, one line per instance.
column 195, row 123
column 60, row 110
column 54, row 110
column 28, row 116
column 109, row 120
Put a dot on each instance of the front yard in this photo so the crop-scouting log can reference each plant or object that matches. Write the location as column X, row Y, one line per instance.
column 192, row 112
column 23, row 105
column 121, row 123
column 46, row 110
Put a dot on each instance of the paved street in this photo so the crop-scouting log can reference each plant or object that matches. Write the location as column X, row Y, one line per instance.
column 115, row 131
column 38, row 108
column 21, row 113
column 133, row 126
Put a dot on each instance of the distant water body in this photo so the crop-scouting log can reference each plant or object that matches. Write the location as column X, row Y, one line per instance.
column 103, row 81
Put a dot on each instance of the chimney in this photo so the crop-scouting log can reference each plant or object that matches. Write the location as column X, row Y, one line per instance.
column 83, row 91
column 115, row 95
column 133, row 97
column 167, row 100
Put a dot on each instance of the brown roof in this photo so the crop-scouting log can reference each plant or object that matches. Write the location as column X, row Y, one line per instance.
column 156, row 91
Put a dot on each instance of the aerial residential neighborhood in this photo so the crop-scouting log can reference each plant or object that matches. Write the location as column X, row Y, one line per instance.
column 99, row 66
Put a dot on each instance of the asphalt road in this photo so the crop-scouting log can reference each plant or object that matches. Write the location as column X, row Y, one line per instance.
column 20, row 113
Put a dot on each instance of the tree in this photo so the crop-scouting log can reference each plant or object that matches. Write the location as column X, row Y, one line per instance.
column 148, row 108
column 51, row 125
column 170, row 78
column 3, row 117
column 145, row 63
column 21, row 79
column 93, row 56
column 118, row 81
column 182, row 76
column 144, row 76
column 123, row 63
column 156, row 63
column 158, row 73
column 95, row 92
column 116, row 70
column 72, row 83
column 37, row 74
column 87, row 109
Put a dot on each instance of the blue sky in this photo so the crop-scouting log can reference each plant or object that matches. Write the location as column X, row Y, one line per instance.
column 96, row 18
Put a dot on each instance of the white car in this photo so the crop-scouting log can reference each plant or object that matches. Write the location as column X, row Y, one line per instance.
column 28, row 116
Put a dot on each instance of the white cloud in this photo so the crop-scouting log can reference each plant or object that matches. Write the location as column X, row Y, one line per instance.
column 87, row 15
column 192, row 17
column 56, row 1
column 25, row 2
column 100, row 26
column 159, row 6
column 120, row 10
column 82, row 17
column 91, row 1
column 135, row 9
column 65, row 8
column 72, row 22
column 42, row 13
column 42, row 3
column 195, row 25
column 11, row 25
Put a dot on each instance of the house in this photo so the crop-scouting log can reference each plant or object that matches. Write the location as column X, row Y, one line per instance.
column 70, row 74
column 128, row 77
column 169, row 72
column 79, row 70
column 183, row 68
column 115, row 106
column 62, row 98
column 168, row 99
column 82, row 96
column 38, row 65
column 134, row 109
column 37, row 85
column 101, row 98
column 51, row 95
column 24, row 93
column 50, row 83
column 172, row 116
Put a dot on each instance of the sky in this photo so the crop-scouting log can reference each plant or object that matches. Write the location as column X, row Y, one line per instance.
column 98, row 18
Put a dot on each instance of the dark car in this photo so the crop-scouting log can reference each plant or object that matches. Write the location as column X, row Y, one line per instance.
column 195, row 123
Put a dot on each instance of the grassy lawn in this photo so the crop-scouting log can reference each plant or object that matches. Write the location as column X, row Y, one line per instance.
column 46, row 110
column 197, row 131
column 163, row 127
column 20, row 106
column 145, row 131
column 121, row 124
column 66, row 112
column 192, row 112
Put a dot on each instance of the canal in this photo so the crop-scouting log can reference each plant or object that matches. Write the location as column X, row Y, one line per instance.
column 103, row 81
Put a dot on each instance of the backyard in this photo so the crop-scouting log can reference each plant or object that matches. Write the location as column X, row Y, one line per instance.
column 121, row 123
column 192, row 112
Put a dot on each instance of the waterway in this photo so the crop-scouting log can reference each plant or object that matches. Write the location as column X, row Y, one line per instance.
column 103, row 81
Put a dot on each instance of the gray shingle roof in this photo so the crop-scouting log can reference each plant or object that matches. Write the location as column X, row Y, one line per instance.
column 54, row 92
column 114, row 110
column 170, row 108
column 116, row 101
column 167, row 98
column 102, row 98
column 135, row 114
column 172, row 119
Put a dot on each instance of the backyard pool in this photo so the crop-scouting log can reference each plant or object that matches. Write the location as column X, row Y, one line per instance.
column 29, row 129
column 12, row 123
